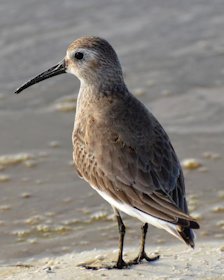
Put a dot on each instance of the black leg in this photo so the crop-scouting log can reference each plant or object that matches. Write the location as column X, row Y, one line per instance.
column 142, row 254
column 120, row 263
column 121, row 227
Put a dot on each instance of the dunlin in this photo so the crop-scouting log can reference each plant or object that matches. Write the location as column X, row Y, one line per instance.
column 120, row 148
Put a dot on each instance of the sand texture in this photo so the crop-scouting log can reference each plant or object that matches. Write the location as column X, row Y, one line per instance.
column 176, row 262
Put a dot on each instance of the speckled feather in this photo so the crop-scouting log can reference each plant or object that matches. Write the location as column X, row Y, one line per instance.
column 126, row 153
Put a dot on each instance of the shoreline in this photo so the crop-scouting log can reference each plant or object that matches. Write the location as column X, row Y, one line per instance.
column 176, row 262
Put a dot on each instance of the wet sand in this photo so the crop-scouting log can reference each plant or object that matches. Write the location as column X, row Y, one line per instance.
column 172, row 55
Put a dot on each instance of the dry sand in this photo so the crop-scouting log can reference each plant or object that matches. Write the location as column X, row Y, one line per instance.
column 176, row 262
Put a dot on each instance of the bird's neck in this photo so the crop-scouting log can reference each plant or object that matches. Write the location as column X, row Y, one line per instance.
column 95, row 97
column 99, row 87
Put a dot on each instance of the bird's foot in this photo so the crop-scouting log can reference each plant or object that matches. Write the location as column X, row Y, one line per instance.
column 143, row 256
column 120, row 264
column 98, row 264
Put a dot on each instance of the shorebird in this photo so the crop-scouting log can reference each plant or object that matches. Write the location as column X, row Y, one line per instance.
column 120, row 148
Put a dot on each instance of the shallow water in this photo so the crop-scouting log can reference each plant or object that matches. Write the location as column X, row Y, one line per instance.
column 177, row 51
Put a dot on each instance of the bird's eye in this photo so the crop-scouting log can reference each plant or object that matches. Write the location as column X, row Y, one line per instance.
column 79, row 55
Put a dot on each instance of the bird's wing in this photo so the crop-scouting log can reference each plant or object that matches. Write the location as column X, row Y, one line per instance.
column 133, row 162
column 149, row 180
column 145, row 172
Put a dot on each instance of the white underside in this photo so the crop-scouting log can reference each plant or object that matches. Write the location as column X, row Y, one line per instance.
column 145, row 218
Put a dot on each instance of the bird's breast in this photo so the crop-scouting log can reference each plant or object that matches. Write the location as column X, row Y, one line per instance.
column 87, row 136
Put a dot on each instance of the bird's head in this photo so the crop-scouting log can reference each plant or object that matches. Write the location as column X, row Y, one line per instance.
column 91, row 59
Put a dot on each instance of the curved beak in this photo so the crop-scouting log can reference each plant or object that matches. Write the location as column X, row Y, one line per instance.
column 58, row 69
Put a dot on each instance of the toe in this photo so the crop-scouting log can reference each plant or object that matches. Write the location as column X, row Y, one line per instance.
column 151, row 259
column 144, row 256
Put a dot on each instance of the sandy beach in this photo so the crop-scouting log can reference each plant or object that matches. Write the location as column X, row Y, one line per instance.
column 172, row 54
column 177, row 262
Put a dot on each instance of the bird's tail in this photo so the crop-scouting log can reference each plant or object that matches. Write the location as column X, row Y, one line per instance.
column 187, row 236
column 186, row 231
column 183, row 233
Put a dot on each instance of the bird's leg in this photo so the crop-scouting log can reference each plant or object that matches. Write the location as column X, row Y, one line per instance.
column 120, row 263
column 121, row 227
column 142, row 254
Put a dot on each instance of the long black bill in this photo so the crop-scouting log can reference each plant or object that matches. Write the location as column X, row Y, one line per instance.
column 53, row 71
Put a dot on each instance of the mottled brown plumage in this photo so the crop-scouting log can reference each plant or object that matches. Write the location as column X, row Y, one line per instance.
column 120, row 148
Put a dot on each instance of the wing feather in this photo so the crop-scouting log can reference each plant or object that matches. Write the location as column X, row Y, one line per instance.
column 134, row 162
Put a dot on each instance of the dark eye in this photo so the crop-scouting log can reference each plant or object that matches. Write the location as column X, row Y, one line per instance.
column 79, row 55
